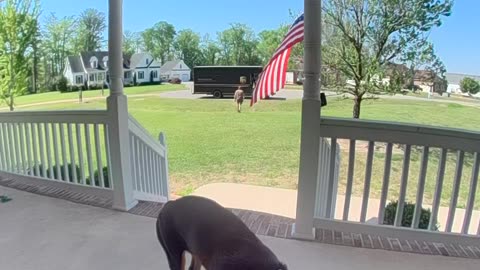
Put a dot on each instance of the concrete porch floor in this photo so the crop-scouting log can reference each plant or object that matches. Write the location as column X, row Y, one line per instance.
column 39, row 232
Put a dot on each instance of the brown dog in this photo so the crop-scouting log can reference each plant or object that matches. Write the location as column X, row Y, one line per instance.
column 216, row 238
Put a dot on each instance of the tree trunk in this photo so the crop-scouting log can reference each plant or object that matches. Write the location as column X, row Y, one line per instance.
column 11, row 88
column 412, row 78
column 356, row 106
column 10, row 103
column 35, row 69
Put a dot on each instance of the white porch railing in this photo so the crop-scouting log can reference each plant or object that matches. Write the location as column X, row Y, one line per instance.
column 325, row 161
column 338, row 215
column 73, row 147
column 66, row 146
column 148, row 159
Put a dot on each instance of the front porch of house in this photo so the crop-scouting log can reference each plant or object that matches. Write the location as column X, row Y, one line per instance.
column 43, row 233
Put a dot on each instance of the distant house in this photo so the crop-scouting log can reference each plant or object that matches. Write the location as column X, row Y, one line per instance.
column 428, row 81
column 145, row 68
column 90, row 69
column 175, row 69
column 454, row 80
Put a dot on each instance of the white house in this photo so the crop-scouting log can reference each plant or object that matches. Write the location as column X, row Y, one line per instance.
column 90, row 69
column 454, row 80
column 145, row 68
column 175, row 69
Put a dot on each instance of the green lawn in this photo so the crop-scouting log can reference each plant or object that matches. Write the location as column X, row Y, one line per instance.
column 209, row 142
column 54, row 96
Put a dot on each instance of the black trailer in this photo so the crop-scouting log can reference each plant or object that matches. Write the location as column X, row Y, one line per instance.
column 221, row 81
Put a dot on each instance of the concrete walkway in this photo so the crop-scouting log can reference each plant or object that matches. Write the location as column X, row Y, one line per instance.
column 283, row 202
column 44, row 233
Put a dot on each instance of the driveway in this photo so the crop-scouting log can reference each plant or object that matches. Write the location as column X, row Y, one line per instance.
column 290, row 94
column 42, row 233
column 284, row 94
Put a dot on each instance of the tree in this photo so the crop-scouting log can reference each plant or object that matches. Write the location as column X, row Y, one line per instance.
column 269, row 40
column 19, row 26
column 470, row 86
column 158, row 40
column 187, row 47
column 91, row 26
column 132, row 42
column 421, row 54
column 371, row 33
column 210, row 51
column 238, row 46
column 57, row 43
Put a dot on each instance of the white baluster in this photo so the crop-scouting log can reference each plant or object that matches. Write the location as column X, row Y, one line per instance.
column 403, row 186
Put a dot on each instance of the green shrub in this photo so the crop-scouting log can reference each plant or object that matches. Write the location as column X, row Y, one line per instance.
column 62, row 84
column 96, row 178
column 408, row 212
column 70, row 169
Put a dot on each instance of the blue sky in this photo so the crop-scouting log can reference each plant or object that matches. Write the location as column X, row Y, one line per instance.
column 457, row 41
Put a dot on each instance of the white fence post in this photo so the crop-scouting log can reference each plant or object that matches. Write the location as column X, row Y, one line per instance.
column 118, row 132
column 166, row 187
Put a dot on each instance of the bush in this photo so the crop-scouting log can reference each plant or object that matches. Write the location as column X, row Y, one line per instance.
column 62, row 84
column 470, row 86
column 408, row 212
column 96, row 178
column 71, row 167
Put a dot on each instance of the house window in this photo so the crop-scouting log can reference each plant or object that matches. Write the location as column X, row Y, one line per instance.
column 180, row 66
column 126, row 75
column 155, row 74
column 79, row 79
column 101, row 77
column 141, row 75
column 92, row 77
column 146, row 61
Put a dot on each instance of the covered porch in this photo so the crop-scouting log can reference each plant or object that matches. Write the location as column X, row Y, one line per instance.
column 45, row 233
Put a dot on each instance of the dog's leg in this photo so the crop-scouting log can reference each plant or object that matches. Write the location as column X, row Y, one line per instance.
column 196, row 263
column 171, row 245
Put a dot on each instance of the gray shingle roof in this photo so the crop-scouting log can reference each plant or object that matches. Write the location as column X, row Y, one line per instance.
column 75, row 64
column 456, row 78
column 169, row 66
column 136, row 58
column 100, row 56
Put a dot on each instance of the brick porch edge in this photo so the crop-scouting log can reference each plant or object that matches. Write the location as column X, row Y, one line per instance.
column 261, row 223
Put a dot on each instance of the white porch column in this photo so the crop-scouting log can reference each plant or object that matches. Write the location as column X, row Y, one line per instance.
column 310, row 133
column 117, row 107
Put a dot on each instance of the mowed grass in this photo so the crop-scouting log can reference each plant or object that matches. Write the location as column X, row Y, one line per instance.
column 56, row 96
column 209, row 142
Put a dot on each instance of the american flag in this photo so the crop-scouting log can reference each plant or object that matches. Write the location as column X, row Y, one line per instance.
column 273, row 77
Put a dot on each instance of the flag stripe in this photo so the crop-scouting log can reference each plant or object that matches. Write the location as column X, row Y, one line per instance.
column 274, row 74
column 273, row 78
column 290, row 40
